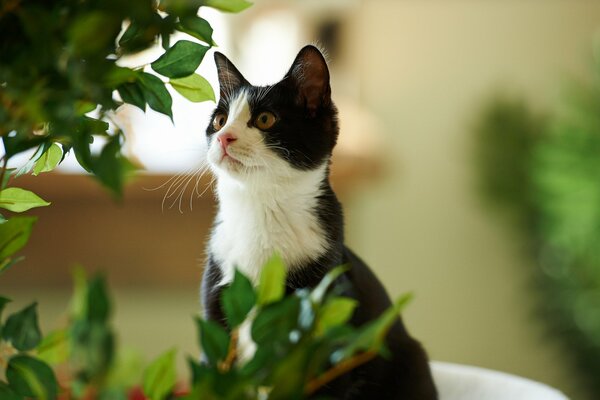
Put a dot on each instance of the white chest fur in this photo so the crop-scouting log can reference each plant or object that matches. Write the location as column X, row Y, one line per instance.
column 255, row 221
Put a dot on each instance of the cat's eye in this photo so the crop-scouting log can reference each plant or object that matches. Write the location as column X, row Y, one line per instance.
column 265, row 120
column 219, row 121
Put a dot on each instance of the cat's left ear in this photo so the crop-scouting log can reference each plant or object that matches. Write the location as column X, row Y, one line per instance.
column 230, row 79
column 310, row 75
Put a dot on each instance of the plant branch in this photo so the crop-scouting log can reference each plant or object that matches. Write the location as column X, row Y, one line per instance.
column 225, row 365
column 347, row 365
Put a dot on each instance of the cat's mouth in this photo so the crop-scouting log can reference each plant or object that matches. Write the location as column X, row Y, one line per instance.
column 228, row 158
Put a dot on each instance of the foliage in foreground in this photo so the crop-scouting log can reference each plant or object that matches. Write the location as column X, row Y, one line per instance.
column 546, row 172
column 303, row 341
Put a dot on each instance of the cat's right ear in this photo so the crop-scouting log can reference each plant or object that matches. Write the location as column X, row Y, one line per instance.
column 230, row 79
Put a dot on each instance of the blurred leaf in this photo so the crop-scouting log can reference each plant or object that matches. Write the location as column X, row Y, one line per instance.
column 156, row 94
column 19, row 200
column 14, row 234
column 274, row 323
column 119, row 75
column 54, row 349
column 318, row 293
column 9, row 262
column 197, row 27
column 214, row 341
column 49, row 159
column 336, row 311
column 181, row 60
column 3, row 302
column 371, row 337
column 28, row 166
column 194, row 88
column 91, row 352
column 30, row 377
column 94, row 32
column 7, row 394
column 19, row 143
column 22, row 330
column 98, row 303
column 7, row 174
column 112, row 168
column 232, row 6
column 288, row 377
column 271, row 286
column 238, row 299
column 160, row 376
column 126, row 371
column 132, row 93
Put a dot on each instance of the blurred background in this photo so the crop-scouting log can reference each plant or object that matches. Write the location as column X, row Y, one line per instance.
column 425, row 92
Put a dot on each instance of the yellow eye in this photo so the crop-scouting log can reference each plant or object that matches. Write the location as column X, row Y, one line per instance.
column 265, row 120
column 219, row 121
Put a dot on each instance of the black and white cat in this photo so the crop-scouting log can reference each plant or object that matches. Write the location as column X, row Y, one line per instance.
column 270, row 149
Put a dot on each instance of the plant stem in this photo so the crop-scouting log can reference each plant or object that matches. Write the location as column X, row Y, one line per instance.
column 338, row 370
column 231, row 353
column 3, row 171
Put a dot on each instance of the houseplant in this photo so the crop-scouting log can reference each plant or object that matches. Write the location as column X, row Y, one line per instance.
column 59, row 73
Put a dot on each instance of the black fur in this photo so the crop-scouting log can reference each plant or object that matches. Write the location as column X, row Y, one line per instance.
column 307, row 129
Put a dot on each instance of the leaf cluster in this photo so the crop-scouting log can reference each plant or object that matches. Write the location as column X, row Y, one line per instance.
column 59, row 73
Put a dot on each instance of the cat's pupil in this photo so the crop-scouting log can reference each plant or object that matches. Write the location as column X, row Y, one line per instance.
column 264, row 119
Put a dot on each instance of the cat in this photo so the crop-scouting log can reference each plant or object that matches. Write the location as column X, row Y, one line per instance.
column 270, row 148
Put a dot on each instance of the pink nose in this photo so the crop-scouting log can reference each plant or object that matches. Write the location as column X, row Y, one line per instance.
column 226, row 139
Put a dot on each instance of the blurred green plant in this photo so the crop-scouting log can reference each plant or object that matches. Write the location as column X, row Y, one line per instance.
column 303, row 341
column 546, row 172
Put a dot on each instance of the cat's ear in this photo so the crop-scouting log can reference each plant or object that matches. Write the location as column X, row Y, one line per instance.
column 230, row 79
column 310, row 75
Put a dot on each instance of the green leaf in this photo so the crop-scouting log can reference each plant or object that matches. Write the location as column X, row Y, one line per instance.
column 49, row 159
column 160, row 376
column 336, row 311
column 7, row 394
column 156, row 94
column 19, row 200
column 3, row 302
column 22, row 330
column 54, row 348
column 30, row 377
column 214, row 341
column 232, row 6
column 318, row 293
column 7, row 175
column 196, row 27
column 271, row 286
column 180, row 60
column 194, row 88
column 238, row 299
column 9, row 262
column 119, row 75
column 274, row 322
column 98, row 303
column 132, row 93
column 14, row 234
column 111, row 168
column 371, row 337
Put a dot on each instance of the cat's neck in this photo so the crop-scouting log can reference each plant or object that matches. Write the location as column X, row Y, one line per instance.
column 257, row 219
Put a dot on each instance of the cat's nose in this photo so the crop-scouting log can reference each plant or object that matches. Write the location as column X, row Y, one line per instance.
column 226, row 139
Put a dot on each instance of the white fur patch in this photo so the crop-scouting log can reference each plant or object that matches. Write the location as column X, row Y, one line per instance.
column 265, row 205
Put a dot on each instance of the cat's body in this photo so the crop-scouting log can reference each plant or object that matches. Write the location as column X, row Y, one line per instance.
column 270, row 148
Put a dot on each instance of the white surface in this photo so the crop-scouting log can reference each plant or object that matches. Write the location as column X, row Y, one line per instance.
column 461, row 382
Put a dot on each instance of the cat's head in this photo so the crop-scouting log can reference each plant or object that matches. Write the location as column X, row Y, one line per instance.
column 276, row 131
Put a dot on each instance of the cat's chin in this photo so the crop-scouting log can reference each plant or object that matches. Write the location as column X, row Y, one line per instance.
column 234, row 168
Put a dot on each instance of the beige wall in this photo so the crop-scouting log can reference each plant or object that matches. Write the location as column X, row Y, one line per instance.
column 425, row 67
